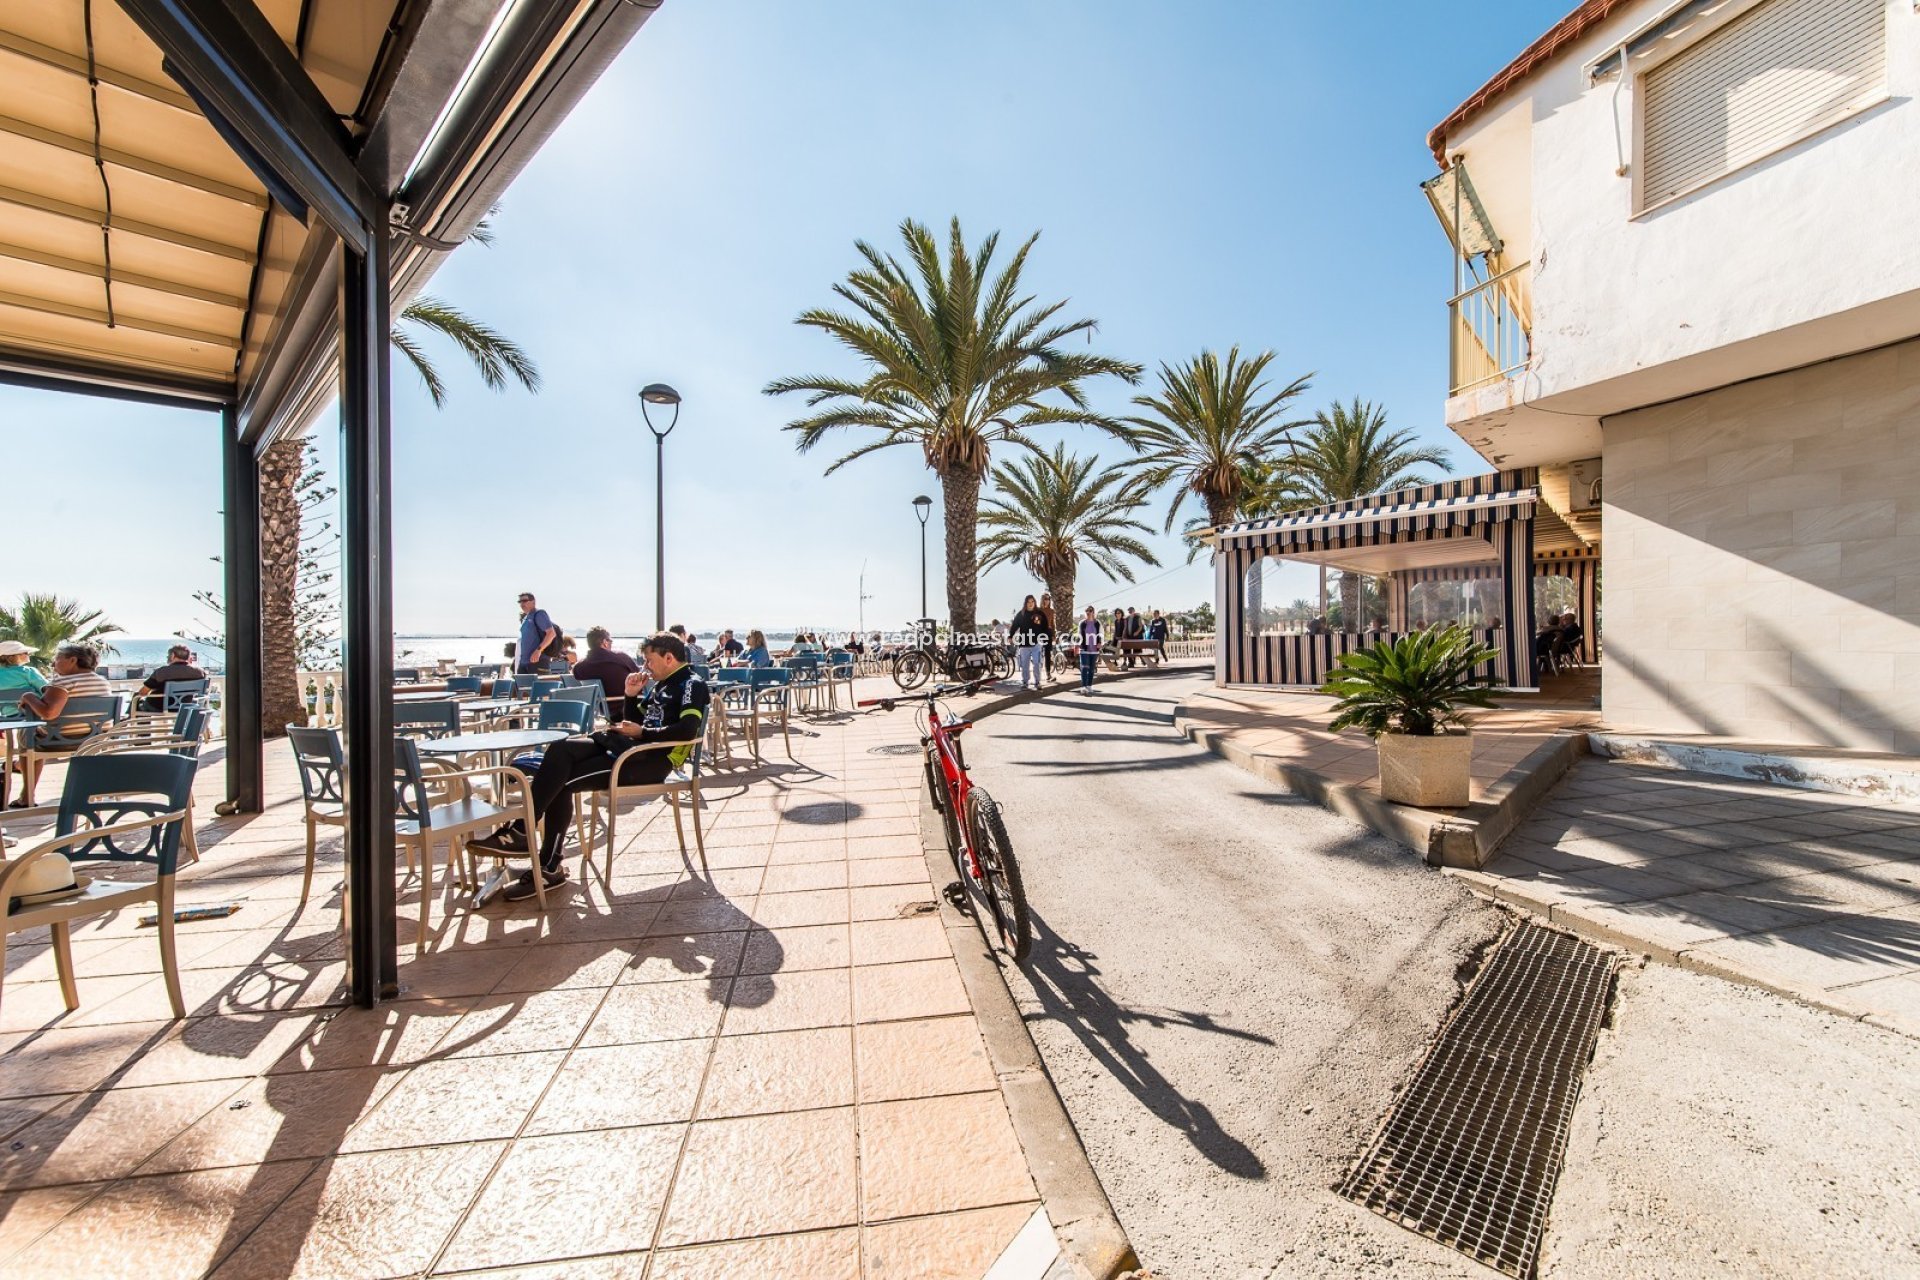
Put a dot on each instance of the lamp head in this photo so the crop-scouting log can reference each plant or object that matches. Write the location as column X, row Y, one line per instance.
column 922, row 506
column 659, row 393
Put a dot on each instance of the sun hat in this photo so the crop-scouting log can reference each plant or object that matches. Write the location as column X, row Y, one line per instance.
column 13, row 649
column 46, row 878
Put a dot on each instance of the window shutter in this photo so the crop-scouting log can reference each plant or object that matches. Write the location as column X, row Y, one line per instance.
column 1779, row 73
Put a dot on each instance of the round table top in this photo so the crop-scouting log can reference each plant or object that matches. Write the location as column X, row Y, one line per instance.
column 498, row 740
column 490, row 704
column 425, row 695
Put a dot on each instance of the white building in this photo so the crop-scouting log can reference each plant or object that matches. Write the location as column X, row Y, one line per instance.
column 1689, row 243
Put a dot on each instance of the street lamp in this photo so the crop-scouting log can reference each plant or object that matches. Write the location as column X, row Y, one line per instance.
column 661, row 394
column 922, row 507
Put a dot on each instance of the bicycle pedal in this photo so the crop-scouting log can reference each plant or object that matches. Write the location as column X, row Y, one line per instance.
column 956, row 894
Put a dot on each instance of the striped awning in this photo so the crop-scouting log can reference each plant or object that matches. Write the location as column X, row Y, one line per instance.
column 1320, row 528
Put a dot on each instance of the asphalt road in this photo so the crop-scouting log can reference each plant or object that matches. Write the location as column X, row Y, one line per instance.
column 1229, row 984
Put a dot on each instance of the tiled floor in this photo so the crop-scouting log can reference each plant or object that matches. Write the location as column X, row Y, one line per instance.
column 1812, row 892
column 771, row 1069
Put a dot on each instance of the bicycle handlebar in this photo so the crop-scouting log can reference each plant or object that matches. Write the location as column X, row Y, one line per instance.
column 938, row 691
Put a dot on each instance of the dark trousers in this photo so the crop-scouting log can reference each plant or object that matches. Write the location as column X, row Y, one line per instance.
column 1088, row 661
column 573, row 765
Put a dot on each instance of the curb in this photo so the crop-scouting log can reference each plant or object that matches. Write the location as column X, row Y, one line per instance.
column 1092, row 1241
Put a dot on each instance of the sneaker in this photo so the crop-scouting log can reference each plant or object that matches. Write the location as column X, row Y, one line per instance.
column 504, row 840
column 522, row 889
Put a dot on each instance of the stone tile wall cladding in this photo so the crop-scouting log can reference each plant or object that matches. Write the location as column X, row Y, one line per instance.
column 1762, row 574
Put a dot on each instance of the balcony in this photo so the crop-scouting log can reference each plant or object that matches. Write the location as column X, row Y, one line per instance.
column 1487, row 329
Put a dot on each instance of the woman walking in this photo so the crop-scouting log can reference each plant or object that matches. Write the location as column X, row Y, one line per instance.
column 1089, row 649
column 1053, row 632
column 1029, row 636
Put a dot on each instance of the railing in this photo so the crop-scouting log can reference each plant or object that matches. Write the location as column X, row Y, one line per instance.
column 1191, row 647
column 1488, row 331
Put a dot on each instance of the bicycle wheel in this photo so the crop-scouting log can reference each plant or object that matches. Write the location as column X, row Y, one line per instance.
column 943, row 805
column 912, row 668
column 1006, row 897
column 999, row 665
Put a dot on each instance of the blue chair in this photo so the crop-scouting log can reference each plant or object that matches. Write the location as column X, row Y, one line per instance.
column 463, row 684
column 593, row 693
column 543, row 688
column 181, row 737
column 430, row 805
column 734, row 675
column 406, row 675
column 575, row 715
column 182, row 693
column 318, row 755
column 125, row 809
column 428, row 719
column 524, row 682
column 79, row 720
column 772, row 695
column 702, row 670
column 488, row 670
column 807, row 674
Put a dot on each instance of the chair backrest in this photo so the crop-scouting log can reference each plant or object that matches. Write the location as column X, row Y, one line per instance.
column 486, row 670
column 557, row 665
column 543, row 688
column 702, row 670
column 188, row 724
column 101, row 790
column 406, row 675
column 763, row 677
column 10, row 701
column 176, row 694
column 410, row 784
column 733, row 675
column 463, row 684
column 572, row 714
column 523, row 683
column 79, row 720
column 433, row 719
column 593, row 694
column 808, row 663
column 317, row 753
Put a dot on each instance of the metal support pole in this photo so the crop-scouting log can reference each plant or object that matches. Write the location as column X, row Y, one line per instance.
column 923, row 569
column 367, row 600
column 660, row 534
column 240, row 705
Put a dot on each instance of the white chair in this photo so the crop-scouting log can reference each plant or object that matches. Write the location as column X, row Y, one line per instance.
column 672, row 788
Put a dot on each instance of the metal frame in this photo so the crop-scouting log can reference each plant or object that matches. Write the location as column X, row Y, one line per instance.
column 246, row 782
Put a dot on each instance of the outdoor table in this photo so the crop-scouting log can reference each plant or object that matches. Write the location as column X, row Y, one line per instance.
column 497, row 744
column 427, row 695
column 487, row 706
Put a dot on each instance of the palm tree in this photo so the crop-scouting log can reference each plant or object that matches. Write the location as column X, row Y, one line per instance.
column 1212, row 429
column 495, row 357
column 957, row 359
column 1349, row 453
column 45, row 622
column 1053, row 511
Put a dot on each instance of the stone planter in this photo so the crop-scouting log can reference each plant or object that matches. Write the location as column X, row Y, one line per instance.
column 1433, row 773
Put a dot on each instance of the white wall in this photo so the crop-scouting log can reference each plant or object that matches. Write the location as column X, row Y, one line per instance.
column 1818, row 230
column 1762, row 571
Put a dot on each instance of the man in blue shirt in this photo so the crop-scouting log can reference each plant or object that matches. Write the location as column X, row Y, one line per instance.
column 538, row 635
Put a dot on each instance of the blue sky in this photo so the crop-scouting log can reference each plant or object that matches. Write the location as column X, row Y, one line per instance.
column 1202, row 175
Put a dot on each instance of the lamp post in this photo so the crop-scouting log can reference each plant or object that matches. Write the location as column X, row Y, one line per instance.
column 659, row 393
column 922, row 507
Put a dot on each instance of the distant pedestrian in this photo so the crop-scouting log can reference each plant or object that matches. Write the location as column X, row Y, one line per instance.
column 1089, row 649
column 1029, row 639
column 1053, row 631
column 539, row 638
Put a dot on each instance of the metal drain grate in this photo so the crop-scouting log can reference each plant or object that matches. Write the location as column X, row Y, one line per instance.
column 1470, row 1153
column 896, row 749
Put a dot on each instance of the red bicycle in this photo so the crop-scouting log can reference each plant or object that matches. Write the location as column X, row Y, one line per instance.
column 976, row 836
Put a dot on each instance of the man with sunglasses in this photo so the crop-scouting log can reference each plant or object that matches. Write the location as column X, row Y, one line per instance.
column 539, row 638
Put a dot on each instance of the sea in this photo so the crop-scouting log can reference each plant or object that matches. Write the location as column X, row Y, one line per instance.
column 408, row 650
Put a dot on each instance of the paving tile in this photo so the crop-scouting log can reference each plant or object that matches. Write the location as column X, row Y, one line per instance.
column 949, row 1246
column 617, row 1266
column 815, row 906
column 780, row 1071
column 640, row 1012
column 74, row 1059
column 893, row 901
column 31, row 1005
column 621, row 1085
column 1633, row 883
column 671, row 957
column 803, row 1165
column 906, row 869
column 456, row 1100
column 789, row 1001
column 372, row 1216
column 817, row 1255
column 300, row 1115
column 552, row 966
column 920, row 1059
column 179, row 1225
column 891, row 941
column 908, row 1164
column 919, row 989
column 800, row 876
column 1734, row 914
column 401, row 1032
column 823, row 946
column 703, row 916
column 93, row 1138
column 1832, row 952
column 27, row 1215
column 569, row 1196
column 521, row 1023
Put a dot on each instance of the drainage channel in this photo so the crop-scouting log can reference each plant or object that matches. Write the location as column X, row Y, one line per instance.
column 1470, row 1153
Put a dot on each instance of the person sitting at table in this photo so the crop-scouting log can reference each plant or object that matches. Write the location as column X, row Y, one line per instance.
column 807, row 642
column 756, row 653
column 1571, row 633
column 607, row 665
column 726, row 646
column 179, row 667
column 667, row 703
column 17, row 672
column 75, row 675
column 695, row 653
column 1545, row 639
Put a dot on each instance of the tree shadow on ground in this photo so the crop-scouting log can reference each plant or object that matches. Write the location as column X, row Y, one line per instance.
column 1065, row 981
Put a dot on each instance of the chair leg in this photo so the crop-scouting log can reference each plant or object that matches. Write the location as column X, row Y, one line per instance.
column 192, row 841
column 169, row 960
column 699, row 840
column 306, row 884
column 63, row 964
column 426, row 891
column 679, row 828
column 613, row 818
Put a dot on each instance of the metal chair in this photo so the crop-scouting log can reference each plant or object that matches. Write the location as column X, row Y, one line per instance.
column 105, row 803
column 180, row 735
column 672, row 788
column 463, row 684
column 840, row 670
column 543, row 687
column 176, row 694
column 772, row 695
column 318, row 755
column 79, row 720
column 431, row 805
column 406, row 675
column 428, row 719
column 806, row 676
column 592, row 693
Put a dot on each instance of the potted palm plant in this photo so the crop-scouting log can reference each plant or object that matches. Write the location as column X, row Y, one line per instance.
column 1408, row 695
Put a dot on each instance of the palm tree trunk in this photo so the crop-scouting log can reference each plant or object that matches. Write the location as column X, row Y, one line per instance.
column 1065, row 622
column 281, row 704
column 1350, row 601
column 960, row 487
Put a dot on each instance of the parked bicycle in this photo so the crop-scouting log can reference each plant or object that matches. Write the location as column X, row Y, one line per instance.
column 913, row 667
column 989, row 886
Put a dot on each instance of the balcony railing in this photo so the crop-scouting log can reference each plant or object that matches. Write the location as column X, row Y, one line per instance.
column 1488, row 330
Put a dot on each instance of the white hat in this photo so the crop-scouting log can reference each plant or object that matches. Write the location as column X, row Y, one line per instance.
column 13, row 649
column 47, row 877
